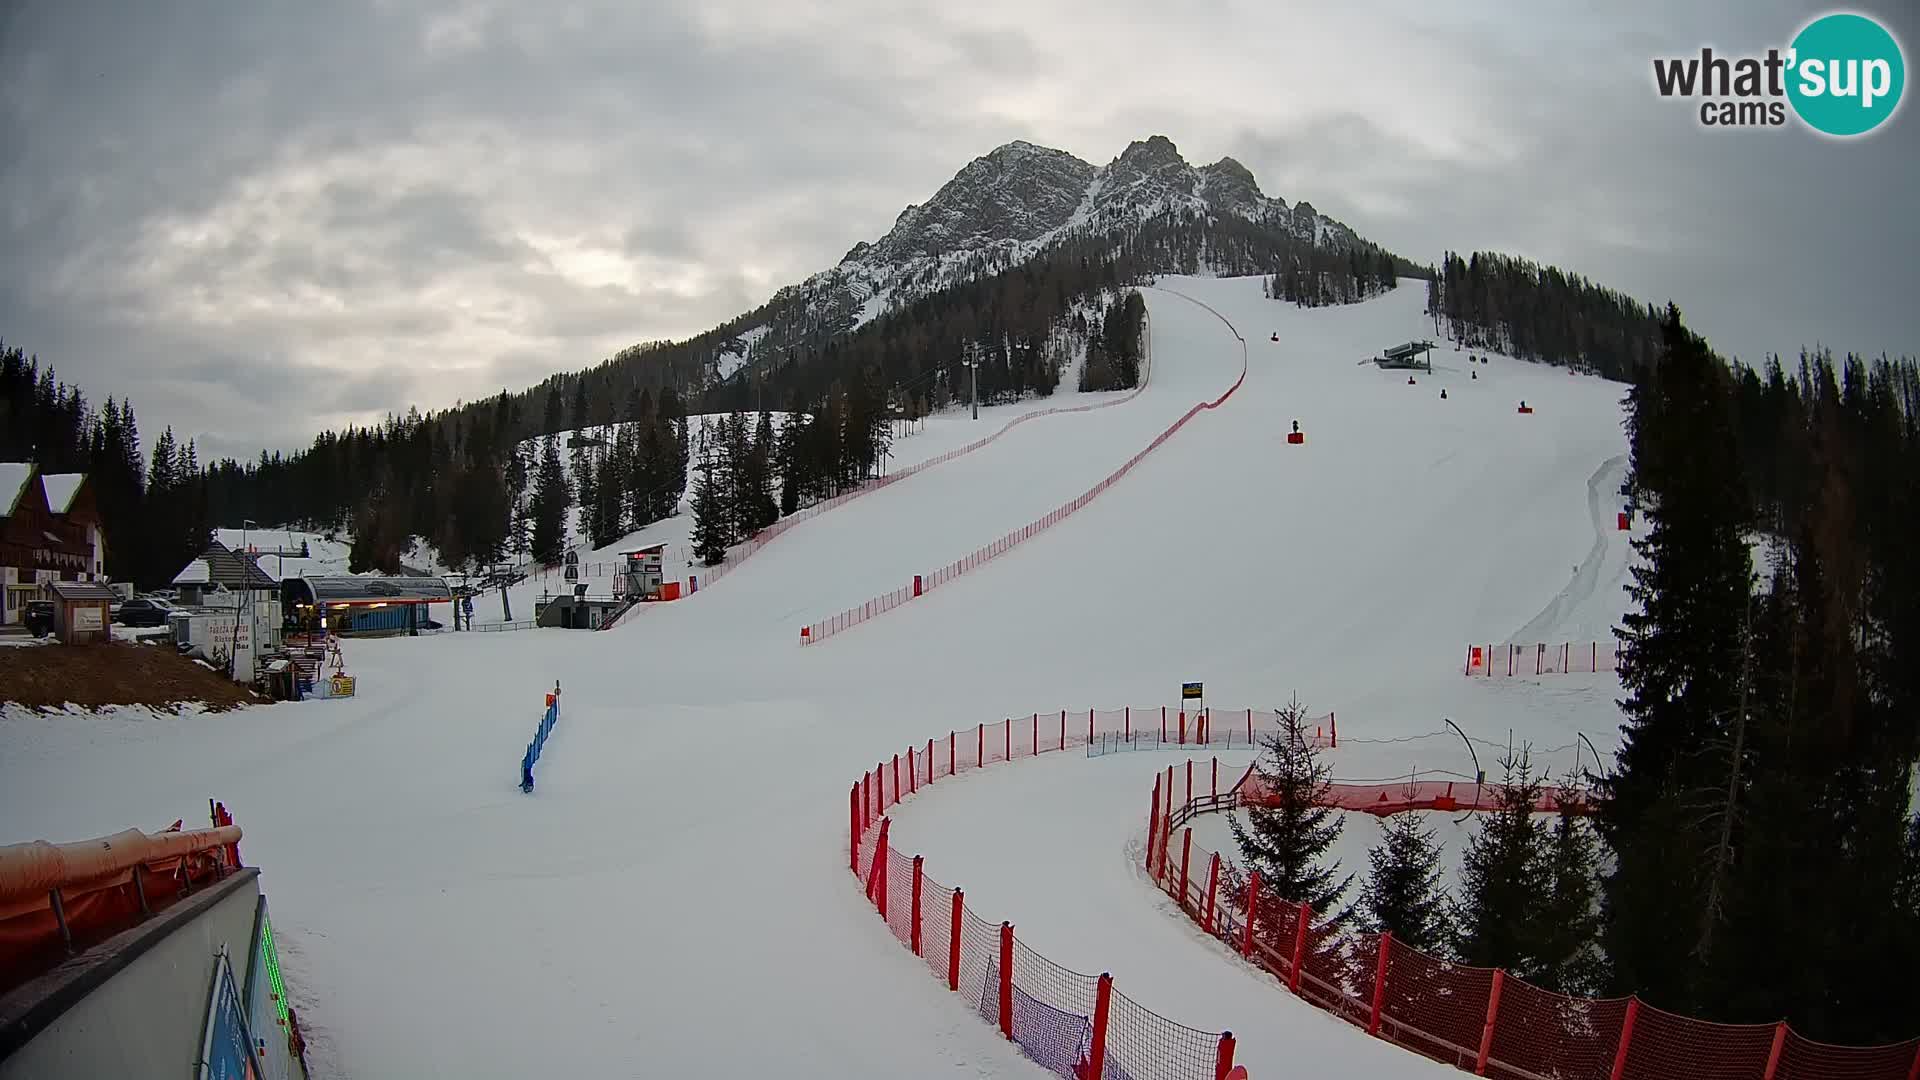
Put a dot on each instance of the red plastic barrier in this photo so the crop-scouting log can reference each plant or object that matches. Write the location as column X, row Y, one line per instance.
column 922, row 584
column 1069, row 1022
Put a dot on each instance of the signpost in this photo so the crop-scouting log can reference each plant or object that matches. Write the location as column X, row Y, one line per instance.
column 1191, row 691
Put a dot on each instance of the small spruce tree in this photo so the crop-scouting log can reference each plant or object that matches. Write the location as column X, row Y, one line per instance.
column 1570, row 924
column 711, row 514
column 1505, row 880
column 1286, row 833
column 1403, row 894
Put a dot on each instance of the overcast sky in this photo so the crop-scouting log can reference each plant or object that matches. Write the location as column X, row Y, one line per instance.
column 264, row 218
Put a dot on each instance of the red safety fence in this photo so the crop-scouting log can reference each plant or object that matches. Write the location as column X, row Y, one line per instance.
column 1482, row 1020
column 1073, row 1024
column 58, row 899
column 1542, row 658
column 923, row 583
column 705, row 576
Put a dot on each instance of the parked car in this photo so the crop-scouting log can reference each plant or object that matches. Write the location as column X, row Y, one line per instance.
column 144, row 611
column 39, row 617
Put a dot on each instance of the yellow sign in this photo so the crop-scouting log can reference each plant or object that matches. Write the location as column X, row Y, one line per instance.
column 342, row 685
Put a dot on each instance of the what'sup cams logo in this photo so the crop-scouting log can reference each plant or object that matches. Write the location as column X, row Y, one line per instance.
column 1843, row 75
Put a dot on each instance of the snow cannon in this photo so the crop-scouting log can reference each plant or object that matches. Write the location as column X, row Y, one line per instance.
column 1409, row 380
column 1526, row 409
column 1294, row 437
column 1443, row 393
column 1275, row 337
column 1475, row 374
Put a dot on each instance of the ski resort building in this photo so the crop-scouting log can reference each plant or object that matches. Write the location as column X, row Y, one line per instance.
column 49, row 531
column 345, row 604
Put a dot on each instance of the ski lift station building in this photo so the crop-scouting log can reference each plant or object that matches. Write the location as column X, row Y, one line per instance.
column 345, row 604
column 1407, row 356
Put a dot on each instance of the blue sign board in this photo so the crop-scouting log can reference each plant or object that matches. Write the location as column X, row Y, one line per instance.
column 226, row 1051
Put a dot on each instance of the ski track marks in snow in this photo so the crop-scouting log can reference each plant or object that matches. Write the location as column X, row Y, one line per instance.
column 1604, row 482
column 678, row 878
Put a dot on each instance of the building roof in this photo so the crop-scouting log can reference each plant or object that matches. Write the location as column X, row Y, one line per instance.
column 1411, row 348
column 196, row 573
column 231, row 569
column 61, row 488
column 13, row 481
column 80, row 590
column 347, row 589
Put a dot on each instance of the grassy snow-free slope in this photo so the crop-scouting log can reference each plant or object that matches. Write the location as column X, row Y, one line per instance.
column 673, row 898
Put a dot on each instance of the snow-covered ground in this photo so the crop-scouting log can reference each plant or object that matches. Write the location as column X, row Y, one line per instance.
column 673, row 898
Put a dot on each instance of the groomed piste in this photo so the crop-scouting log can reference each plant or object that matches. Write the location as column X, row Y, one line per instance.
column 697, row 781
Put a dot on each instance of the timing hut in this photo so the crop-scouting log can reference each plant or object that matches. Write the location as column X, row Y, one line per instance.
column 1408, row 355
column 363, row 605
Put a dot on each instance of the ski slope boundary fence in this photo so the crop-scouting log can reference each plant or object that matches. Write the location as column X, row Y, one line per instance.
column 1542, row 658
column 740, row 553
column 547, row 720
column 1482, row 1020
column 924, row 583
column 1072, row 1024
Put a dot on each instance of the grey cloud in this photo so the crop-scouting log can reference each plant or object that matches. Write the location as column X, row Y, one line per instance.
column 348, row 209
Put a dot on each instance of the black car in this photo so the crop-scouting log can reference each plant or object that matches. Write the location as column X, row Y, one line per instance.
column 144, row 611
column 39, row 617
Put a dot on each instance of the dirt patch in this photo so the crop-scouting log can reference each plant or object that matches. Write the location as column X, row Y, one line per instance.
column 92, row 676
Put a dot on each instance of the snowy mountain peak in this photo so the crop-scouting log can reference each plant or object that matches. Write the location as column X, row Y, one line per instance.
column 1014, row 203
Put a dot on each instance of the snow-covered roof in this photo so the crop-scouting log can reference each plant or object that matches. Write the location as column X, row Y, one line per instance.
column 61, row 488
column 196, row 572
column 13, row 479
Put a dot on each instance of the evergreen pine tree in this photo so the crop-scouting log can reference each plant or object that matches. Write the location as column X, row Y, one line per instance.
column 1680, row 662
column 1287, row 832
column 1570, row 961
column 551, row 500
column 710, row 516
column 1505, row 880
column 1403, row 894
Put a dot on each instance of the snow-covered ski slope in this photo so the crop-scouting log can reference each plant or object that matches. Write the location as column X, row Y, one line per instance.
column 673, row 899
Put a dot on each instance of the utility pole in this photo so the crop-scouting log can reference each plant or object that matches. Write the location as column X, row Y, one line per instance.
column 973, row 365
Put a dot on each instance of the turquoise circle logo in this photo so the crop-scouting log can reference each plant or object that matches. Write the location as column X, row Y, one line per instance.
column 1846, row 74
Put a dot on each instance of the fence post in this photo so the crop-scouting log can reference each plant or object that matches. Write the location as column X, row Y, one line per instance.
column 1089, row 727
column 1186, row 856
column 1626, row 1039
column 1097, row 1051
column 896, row 778
column 1036, row 734
column 1166, row 826
column 1493, row 1013
column 950, row 762
column 1213, row 889
column 875, row 881
column 1126, row 723
column 916, row 904
column 1223, row 1064
column 1216, row 778
column 1008, row 733
column 1183, row 727
column 1189, row 782
column 866, row 802
column 1914, row 1073
column 853, row 830
column 1006, row 980
column 980, row 751
column 883, row 864
column 913, row 774
column 953, row 938
column 1153, row 823
column 1380, row 982
column 1304, row 917
column 1253, row 903
column 933, row 772
column 1163, row 723
column 1333, row 724
column 1773, row 1055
